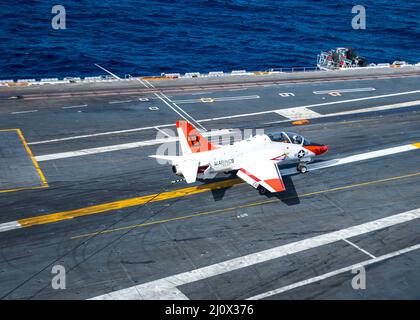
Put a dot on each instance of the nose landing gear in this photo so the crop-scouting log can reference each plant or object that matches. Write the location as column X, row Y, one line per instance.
column 302, row 168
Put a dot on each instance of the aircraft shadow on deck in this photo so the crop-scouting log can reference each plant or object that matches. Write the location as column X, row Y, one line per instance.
column 219, row 194
column 289, row 196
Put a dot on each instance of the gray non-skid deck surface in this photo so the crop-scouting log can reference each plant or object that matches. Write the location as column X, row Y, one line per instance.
column 16, row 167
column 231, row 228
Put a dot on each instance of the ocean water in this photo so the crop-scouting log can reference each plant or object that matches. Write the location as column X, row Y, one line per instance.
column 155, row 36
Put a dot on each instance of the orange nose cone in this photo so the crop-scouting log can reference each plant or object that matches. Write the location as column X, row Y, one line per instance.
column 317, row 149
column 323, row 149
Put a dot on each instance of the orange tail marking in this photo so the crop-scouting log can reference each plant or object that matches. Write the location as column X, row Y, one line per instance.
column 196, row 141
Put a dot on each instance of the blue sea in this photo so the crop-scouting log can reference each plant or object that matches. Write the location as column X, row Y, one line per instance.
column 155, row 36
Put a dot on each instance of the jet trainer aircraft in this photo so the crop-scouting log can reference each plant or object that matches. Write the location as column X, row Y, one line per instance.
column 254, row 160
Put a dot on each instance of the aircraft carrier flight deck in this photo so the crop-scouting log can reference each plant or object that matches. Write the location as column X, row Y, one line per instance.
column 78, row 189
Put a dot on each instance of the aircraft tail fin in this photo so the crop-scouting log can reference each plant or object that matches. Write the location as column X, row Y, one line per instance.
column 191, row 140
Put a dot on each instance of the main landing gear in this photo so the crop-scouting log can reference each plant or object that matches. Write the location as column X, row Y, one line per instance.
column 301, row 167
column 262, row 190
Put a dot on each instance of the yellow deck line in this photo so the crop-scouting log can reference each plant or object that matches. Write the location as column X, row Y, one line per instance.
column 23, row 188
column 34, row 162
column 252, row 204
column 417, row 145
column 8, row 130
column 121, row 204
column 116, row 205
column 36, row 165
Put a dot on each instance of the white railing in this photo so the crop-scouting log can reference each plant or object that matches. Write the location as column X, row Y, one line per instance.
column 294, row 69
column 108, row 78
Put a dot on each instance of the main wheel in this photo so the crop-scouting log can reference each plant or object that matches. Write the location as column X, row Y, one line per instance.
column 262, row 190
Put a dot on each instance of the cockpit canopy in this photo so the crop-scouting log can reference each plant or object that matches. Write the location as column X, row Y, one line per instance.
column 288, row 137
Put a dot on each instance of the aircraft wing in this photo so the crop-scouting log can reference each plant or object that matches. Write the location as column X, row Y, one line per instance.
column 262, row 173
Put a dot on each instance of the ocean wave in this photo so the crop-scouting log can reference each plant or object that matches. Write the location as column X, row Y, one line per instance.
column 150, row 37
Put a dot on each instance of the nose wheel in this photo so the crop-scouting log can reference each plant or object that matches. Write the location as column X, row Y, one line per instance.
column 302, row 168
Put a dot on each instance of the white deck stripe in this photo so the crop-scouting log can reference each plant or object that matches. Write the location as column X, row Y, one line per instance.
column 149, row 83
column 334, row 273
column 364, row 110
column 170, row 106
column 143, row 83
column 73, row 107
column 101, row 134
column 372, row 109
column 9, row 226
column 119, row 147
column 132, row 145
column 351, row 159
column 165, row 288
column 21, row 112
column 107, row 71
column 298, row 113
column 163, row 132
column 236, row 98
column 219, row 99
column 379, row 108
column 404, row 104
column 168, row 102
column 311, row 105
column 119, row 101
column 361, row 156
column 192, row 120
column 359, row 248
column 345, row 90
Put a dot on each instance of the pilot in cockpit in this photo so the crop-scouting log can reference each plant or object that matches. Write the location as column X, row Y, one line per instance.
column 279, row 137
column 296, row 139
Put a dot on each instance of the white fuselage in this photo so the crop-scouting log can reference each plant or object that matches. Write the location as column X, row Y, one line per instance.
column 231, row 157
